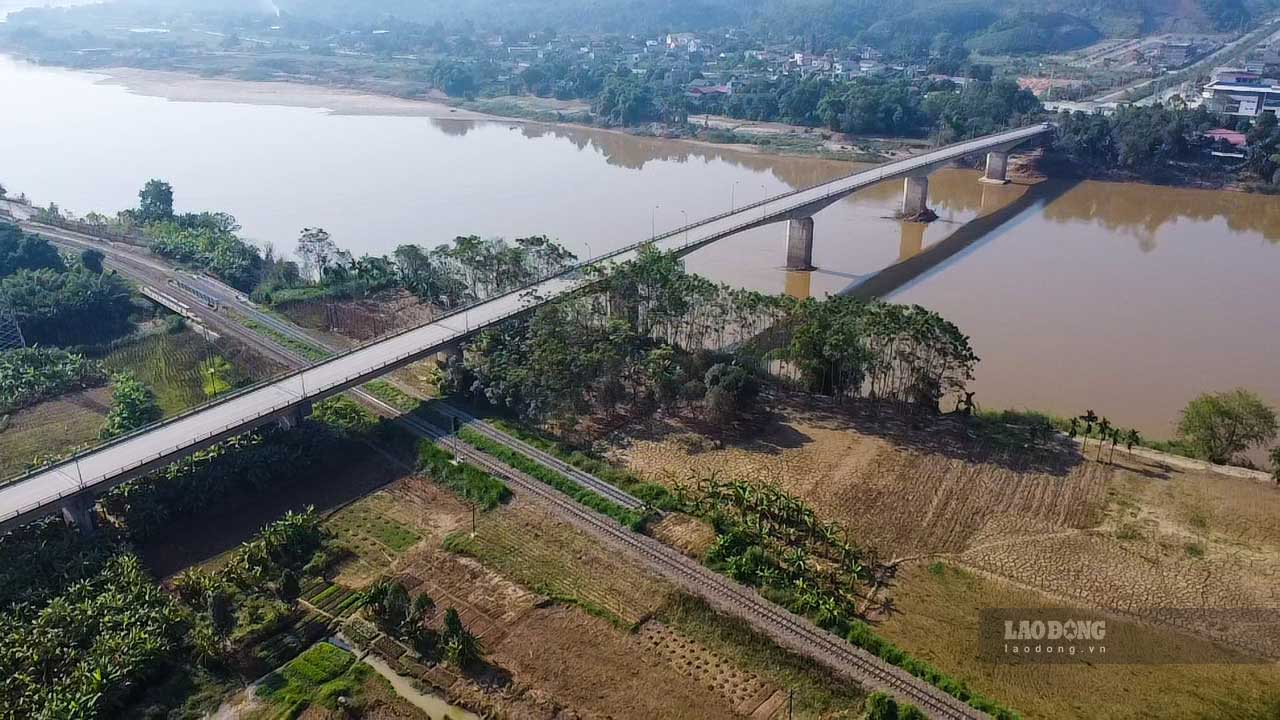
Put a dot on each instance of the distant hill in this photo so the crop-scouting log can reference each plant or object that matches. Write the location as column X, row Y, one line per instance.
column 1034, row 32
column 1061, row 21
column 908, row 26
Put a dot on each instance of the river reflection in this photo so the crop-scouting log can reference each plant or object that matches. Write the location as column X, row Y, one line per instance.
column 1126, row 298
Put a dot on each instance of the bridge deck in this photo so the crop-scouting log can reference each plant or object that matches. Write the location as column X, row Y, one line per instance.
column 97, row 470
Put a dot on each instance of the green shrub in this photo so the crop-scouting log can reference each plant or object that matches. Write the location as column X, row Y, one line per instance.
column 133, row 405
column 468, row 481
column 633, row 520
column 30, row 375
column 345, row 415
column 652, row 493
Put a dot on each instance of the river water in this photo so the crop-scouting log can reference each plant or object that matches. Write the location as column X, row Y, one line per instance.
column 1127, row 299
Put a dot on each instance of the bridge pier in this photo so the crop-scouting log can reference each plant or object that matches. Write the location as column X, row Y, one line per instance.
column 800, row 244
column 997, row 168
column 79, row 513
column 915, row 199
column 449, row 353
column 294, row 418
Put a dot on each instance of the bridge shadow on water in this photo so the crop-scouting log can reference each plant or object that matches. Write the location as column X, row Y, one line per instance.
column 970, row 235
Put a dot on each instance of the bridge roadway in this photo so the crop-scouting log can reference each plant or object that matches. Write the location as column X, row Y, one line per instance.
column 68, row 484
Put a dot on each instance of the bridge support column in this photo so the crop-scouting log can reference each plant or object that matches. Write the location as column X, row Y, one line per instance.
column 800, row 244
column 915, row 200
column 295, row 416
column 449, row 353
column 997, row 168
column 79, row 513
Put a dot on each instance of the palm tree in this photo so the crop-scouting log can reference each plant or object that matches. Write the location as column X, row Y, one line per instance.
column 1089, row 418
column 1132, row 438
column 1104, row 431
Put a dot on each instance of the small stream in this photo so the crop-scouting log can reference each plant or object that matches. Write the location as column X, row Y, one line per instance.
column 433, row 705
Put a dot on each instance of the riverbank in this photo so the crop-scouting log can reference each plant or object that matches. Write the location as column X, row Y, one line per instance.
column 711, row 131
column 714, row 131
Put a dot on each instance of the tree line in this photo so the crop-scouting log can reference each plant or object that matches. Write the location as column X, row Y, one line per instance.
column 650, row 335
column 57, row 301
column 1167, row 144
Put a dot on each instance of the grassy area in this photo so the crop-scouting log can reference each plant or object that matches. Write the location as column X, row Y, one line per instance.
column 472, row 483
column 318, row 676
column 631, row 519
column 181, row 369
column 392, row 395
column 652, row 493
column 53, row 427
column 818, row 691
column 1014, row 427
column 513, row 108
column 307, row 350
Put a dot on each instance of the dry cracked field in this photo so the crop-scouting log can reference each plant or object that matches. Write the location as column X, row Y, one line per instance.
column 1135, row 538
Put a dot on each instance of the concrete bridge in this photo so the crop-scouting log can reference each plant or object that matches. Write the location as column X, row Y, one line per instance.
column 71, row 485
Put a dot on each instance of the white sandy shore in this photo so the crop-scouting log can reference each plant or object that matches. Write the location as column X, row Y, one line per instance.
column 191, row 88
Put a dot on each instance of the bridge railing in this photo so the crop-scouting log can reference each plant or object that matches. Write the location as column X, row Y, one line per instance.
column 65, row 467
column 939, row 155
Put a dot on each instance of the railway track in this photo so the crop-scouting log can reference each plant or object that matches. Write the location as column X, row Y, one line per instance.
column 785, row 628
column 789, row 630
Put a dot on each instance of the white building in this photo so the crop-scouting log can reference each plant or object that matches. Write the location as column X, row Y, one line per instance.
column 1241, row 93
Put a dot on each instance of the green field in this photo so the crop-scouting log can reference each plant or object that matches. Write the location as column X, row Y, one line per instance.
column 182, row 369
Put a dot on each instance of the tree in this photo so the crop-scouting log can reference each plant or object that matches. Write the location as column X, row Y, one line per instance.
column 288, row 586
column 461, row 648
column 1089, row 418
column 317, row 250
column 155, row 202
column 1275, row 463
column 91, row 259
column 67, row 308
column 1220, row 426
column 23, row 251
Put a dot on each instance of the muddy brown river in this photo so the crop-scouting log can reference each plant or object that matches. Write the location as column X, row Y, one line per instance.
column 1128, row 299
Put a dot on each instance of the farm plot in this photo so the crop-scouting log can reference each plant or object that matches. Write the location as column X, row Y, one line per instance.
column 305, row 628
column 53, row 427
column 1168, row 540
column 364, row 527
column 332, row 599
column 557, row 560
column 182, row 369
column 597, row 670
